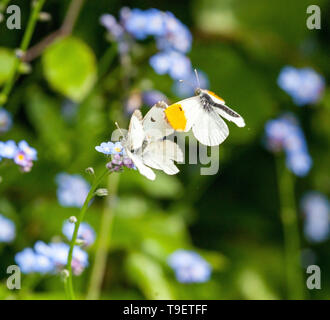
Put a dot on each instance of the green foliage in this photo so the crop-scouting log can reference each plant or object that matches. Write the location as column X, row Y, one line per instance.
column 69, row 67
column 78, row 89
column 7, row 59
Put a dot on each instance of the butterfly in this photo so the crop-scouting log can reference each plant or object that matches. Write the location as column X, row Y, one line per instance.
column 203, row 114
column 144, row 143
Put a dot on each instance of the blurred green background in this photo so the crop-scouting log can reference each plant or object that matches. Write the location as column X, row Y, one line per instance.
column 232, row 218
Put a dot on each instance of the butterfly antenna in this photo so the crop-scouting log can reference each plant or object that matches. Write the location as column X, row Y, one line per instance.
column 197, row 78
column 116, row 123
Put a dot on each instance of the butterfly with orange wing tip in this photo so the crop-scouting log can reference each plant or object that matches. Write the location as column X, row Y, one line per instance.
column 203, row 114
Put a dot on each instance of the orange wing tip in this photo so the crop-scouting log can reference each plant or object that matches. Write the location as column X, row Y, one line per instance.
column 215, row 96
column 176, row 117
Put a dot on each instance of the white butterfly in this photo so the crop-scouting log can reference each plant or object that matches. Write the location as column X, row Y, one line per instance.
column 144, row 143
column 201, row 114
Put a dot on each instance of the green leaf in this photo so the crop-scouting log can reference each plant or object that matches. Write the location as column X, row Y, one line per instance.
column 164, row 187
column 70, row 68
column 149, row 276
column 7, row 59
column 45, row 115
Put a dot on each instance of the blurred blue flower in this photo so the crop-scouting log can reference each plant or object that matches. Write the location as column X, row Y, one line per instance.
column 72, row 190
column 85, row 232
column 176, row 35
column 7, row 229
column 316, row 208
column 136, row 24
column 151, row 97
column 187, row 87
column 285, row 134
column 8, row 149
column 189, row 266
column 25, row 156
column 5, row 120
column 304, row 85
column 113, row 27
column 50, row 258
column 177, row 65
column 57, row 252
column 30, row 262
column 143, row 23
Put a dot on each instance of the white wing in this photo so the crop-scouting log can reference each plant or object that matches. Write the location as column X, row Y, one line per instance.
column 154, row 123
column 160, row 155
column 143, row 169
column 136, row 133
column 231, row 115
column 210, row 129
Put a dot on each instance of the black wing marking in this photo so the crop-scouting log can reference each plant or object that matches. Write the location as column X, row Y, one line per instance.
column 207, row 102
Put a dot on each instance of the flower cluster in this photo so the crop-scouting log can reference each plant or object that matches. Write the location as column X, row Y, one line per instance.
column 50, row 258
column 7, row 229
column 316, row 208
column 86, row 233
column 285, row 134
column 305, row 86
column 22, row 154
column 5, row 120
column 189, row 266
column 173, row 38
column 72, row 190
column 117, row 154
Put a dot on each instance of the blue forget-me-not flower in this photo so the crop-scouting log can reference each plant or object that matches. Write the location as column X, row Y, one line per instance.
column 5, row 120
column 85, row 232
column 7, row 229
column 316, row 209
column 72, row 190
column 305, row 85
column 189, row 267
column 285, row 134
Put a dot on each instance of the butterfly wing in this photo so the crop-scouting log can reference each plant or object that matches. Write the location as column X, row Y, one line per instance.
column 160, row 155
column 183, row 114
column 136, row 132
column 230, row 115
column 210, row 129
column 154, row 122
column 143, row 169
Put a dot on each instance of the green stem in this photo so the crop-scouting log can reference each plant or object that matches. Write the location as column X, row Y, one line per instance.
column 23, row 47
column 289, row 220
column 103, row 244
column 69, row 283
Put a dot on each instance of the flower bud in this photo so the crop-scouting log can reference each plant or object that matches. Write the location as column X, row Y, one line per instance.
column 80, row 242
column 102, row 192
column 72, row 219
column 44, row 16
column 90, row 171
column 65, row 274
column 19, row 53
